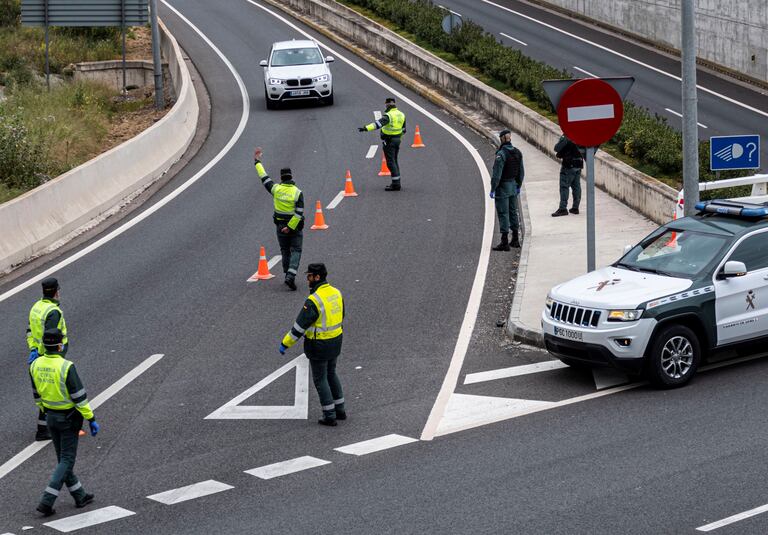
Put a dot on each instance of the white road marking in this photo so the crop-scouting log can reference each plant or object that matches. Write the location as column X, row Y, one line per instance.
column 376, row 444
column 465, row 411
column 376, row 115
column 514, row 371
column 273, row 261
column 372, row 151
column 91, row 518
column 232, row 410
column 190, row 492
column 515, row 40
column 590, row 113
column 118, row 385
column 732, row 519
column 336, row 200
column 628, row 58
column 585, row 72
column 452, row 11
column 608, row 377
column 287, row 467
column 168, row 198
column 478, row 283
column 677, row 113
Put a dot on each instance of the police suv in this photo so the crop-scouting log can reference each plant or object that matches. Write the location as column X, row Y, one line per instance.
column 694, row 288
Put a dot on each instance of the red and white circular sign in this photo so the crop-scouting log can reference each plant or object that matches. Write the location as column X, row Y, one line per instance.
column 590, row 112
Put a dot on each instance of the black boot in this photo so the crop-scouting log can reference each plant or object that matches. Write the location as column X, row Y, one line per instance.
column 88, row 498
column 46, row 509
column 560, row 212
column 394, row 186
column 290, row 281
column 504, row 245
column 574, row 210
column 515, row 239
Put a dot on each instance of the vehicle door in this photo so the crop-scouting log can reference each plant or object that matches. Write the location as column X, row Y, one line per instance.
column 741, row 305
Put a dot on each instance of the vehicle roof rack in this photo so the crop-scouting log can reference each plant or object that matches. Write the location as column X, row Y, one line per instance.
column 735, row 208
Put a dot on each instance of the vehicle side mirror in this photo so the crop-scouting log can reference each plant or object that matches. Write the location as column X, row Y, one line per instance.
column 733, row 268
column 263, row 63
column 329, row 59
column 627, row 248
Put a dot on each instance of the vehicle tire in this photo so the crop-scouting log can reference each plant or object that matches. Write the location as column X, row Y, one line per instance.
column 328, row 101
column 674, row 356
column 271, row 104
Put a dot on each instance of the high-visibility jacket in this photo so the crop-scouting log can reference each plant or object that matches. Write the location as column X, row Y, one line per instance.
column 286, row 196
column 330, row 305
column 394, row 126
column 55, row 389
column 37, row 317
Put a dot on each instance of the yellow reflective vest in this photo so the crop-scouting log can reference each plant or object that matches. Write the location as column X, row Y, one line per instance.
column 49, row 373
column 395, row 125
column 286, row 196
column 37, row 316
column 330, row 305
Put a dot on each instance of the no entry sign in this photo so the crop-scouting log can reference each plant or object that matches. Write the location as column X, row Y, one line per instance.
column 590, row 112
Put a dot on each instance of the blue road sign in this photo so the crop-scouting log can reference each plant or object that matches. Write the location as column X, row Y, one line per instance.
column 734, row 152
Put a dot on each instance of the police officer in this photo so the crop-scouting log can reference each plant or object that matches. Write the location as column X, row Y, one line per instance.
column 570, row 175
column 320, row 321
column 506, row 180
column 392, row 124
column 288, row 217
column 45, row 314
column 60, row 394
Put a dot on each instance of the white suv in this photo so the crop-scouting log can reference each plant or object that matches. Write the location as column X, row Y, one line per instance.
column 296, row 70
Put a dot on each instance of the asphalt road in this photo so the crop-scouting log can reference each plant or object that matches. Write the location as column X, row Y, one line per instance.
column 585, row 51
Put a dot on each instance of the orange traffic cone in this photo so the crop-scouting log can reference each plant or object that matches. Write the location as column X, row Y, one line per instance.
column 263, row 272
column 319, row 218
column 349, row 187
column 384, row 169
column 417, row 142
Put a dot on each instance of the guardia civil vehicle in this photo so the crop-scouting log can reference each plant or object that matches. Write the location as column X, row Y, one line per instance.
column 692, row 289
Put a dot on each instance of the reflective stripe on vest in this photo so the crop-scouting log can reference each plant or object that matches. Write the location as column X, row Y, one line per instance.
column 50, row 376
column 37, row 316
column 396, row 121
column 330, row 305
column 286, row 196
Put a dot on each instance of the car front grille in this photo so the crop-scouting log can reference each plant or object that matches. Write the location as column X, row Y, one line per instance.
column 573, row 315
column 295, row 83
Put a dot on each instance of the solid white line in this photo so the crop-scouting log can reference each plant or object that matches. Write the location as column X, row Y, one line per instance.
column 168, row 198
column 287, row 467
column 336, row 200
column 91, row 518
column 585, row 72
column 515, row 40
column 673, row 112
column 190, row 492
column 376, row 444
column 514, row 371
column 628, row 58
column 372, row 151
column 476, row 293
column 118, row 385
column 590, row 113
column 734, row 518
column 452, row 11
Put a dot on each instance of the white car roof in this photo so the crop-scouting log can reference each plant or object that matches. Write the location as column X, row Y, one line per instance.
column 304, row 43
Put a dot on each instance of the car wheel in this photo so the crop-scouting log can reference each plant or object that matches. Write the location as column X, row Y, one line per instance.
column 328, row 100
column 674, row 357
column 271, row 104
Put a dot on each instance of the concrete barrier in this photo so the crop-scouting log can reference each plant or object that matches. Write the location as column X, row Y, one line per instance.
column 49, row 213
column 138, row 73
column 639, row 191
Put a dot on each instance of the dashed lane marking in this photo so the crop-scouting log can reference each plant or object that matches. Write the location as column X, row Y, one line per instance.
column 273, row 261
column 376, row 444
column 284, row 468
column 585, row 72
column 335, row 202
column 514, row 371
column 190, row 492
column 733, row 519
column 372, row 151
column 91, row 518
column 513, row 39
column 678, row 114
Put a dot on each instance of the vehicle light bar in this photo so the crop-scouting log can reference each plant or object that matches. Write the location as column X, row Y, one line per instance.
column 740, row 209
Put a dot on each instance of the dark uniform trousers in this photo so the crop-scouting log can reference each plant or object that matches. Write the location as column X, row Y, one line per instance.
column 391, row 151
column 290, row 248
column 322, row 355
column 570, row 178
column 64, row 428
column 505, row 200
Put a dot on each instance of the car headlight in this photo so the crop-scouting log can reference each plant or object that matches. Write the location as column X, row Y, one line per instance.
column 548, row 303
column 624, row 315
column 321, row 78
column 275, row 81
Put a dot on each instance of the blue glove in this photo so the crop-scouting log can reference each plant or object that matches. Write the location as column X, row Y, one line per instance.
column 282, row 349
column 32, row 356
column 95, row 427
column 492, row 195
column 518, row 190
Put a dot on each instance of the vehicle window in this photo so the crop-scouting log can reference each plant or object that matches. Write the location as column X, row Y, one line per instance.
column 753, row 251
column 676, row 253
column 296, row 56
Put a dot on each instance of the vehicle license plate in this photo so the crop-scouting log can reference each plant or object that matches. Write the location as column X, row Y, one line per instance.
column 568, row 333
column 300, row 93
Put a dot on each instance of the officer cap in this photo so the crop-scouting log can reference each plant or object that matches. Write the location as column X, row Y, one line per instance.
column 390, row 100
column 50, row 285
column 317, row 269
column 52, row 337
column 285, row 173
column 504, row 133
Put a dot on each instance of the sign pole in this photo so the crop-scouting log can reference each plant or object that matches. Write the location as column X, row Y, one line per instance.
column 122, row 16
column 590, row 157
column 690, row 112
column 47, row 64
column 159, row 99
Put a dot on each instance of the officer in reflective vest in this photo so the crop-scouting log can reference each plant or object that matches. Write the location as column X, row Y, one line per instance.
column 45, row 314
column 320, row 322
column 392, row 124
column 288, row 217
column 60, row 394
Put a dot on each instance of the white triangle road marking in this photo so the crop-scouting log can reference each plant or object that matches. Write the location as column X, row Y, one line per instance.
column 466, row 411
column 608, row 377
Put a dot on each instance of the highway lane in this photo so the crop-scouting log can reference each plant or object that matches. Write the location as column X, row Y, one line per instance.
column 588, row 51
column 175, row 284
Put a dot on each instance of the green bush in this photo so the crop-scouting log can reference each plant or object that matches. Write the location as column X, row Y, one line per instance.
column 22, row 159
column 10, row 12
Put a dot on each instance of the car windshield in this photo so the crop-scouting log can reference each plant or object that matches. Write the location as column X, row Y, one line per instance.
column 296, row 56
column 675, row 253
